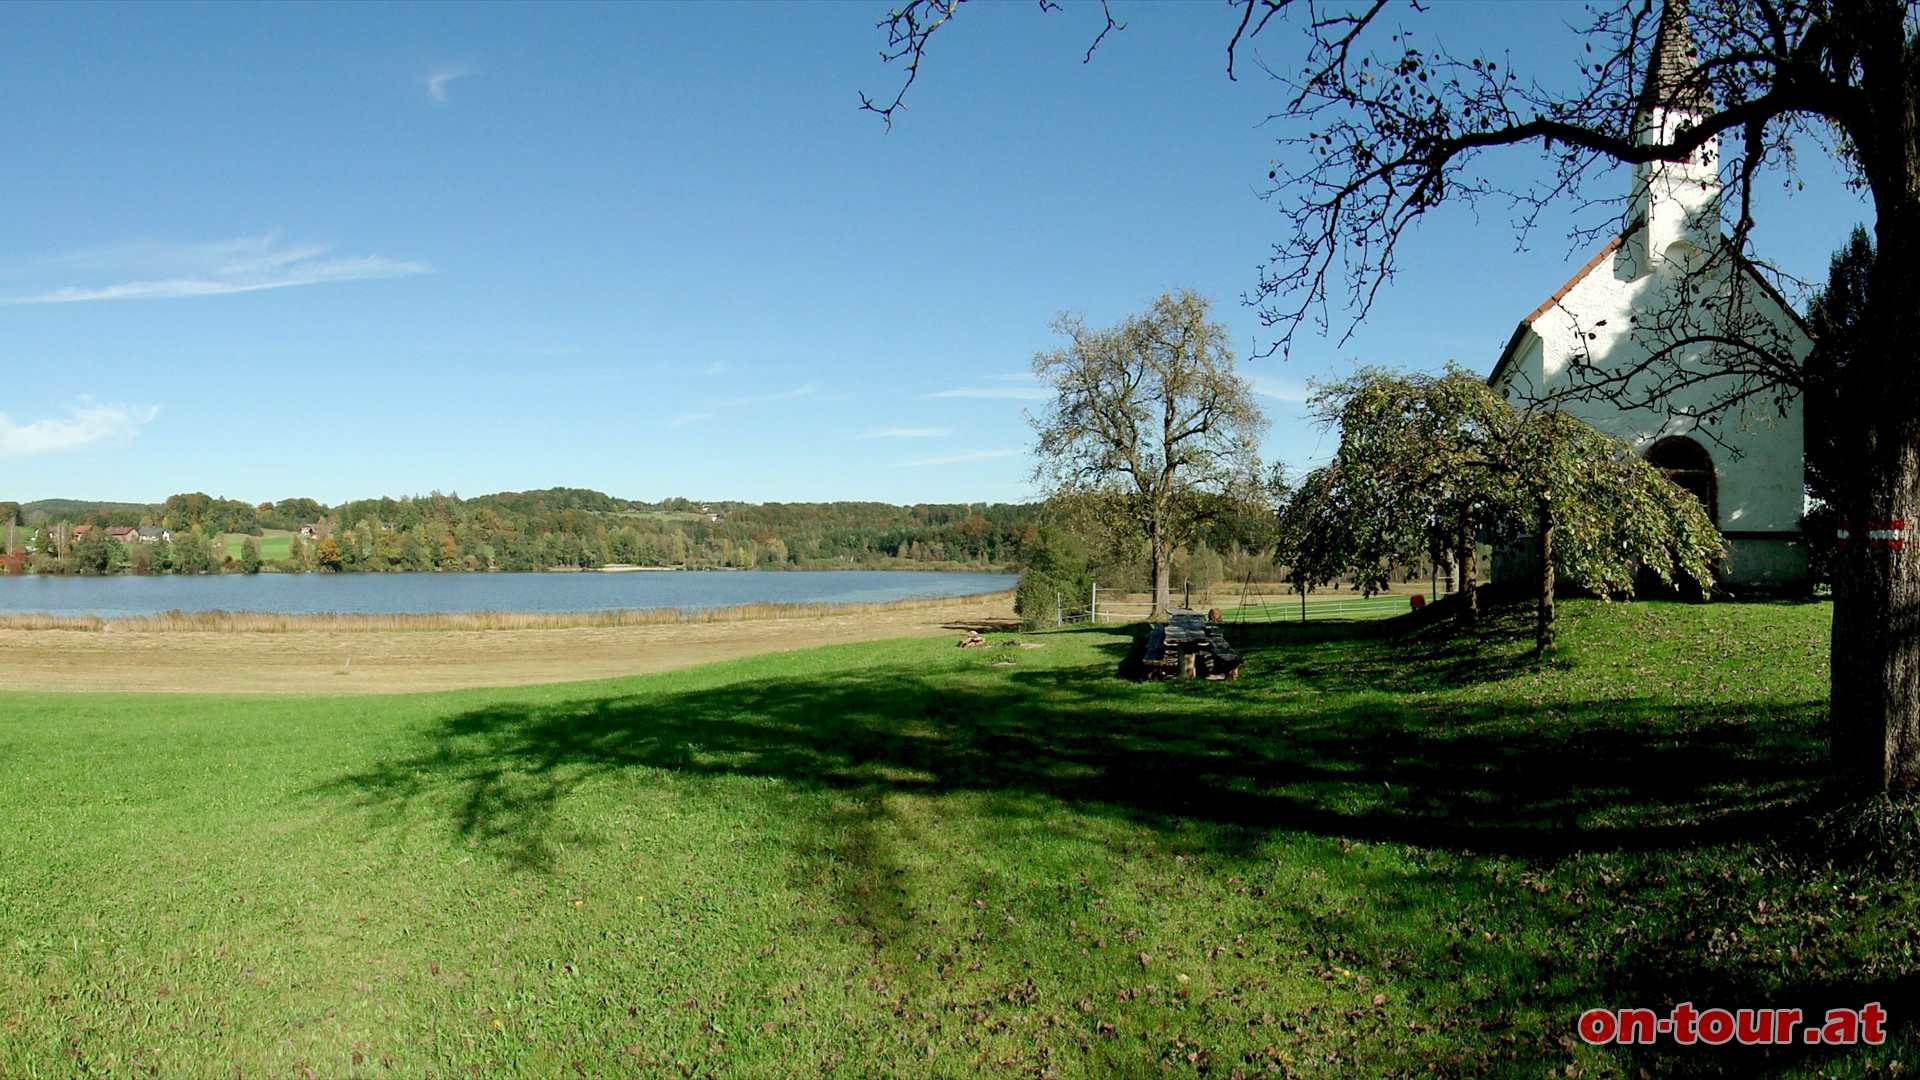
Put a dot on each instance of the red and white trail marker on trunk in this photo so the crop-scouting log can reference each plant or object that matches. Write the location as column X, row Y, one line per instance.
column 1890, row 533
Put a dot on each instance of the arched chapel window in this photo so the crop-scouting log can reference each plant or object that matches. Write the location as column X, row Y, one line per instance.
column 1686, row 463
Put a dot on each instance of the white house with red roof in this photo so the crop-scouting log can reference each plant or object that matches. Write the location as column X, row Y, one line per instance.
column 1658, row 307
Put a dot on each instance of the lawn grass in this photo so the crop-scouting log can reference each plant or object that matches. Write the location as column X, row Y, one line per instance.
column 1352, row 606
column 1379, row 852
column 274, row 544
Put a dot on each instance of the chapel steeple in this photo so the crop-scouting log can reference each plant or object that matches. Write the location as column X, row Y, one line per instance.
column 1673, row 71
column 1678, row 200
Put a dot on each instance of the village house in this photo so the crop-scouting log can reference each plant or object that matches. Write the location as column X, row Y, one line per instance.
column 1661, row 297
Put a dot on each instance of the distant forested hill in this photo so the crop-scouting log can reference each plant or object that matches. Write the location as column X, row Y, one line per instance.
column 77, row 510
column 552, row 528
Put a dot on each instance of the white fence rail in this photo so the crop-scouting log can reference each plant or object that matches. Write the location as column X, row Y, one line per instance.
column 1291, row 610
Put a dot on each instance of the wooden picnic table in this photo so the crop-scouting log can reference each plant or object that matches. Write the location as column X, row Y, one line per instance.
column 1193, row 646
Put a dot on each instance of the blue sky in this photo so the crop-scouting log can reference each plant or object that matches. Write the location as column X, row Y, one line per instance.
column 341, row 251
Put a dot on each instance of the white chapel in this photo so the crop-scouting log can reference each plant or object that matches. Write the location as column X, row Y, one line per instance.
column 1657, row 302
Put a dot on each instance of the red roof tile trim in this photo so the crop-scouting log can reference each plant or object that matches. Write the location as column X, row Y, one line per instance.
column 1580, row 275
column 1613, row 245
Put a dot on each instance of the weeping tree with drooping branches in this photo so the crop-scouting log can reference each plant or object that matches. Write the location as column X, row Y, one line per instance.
column 1427, row 463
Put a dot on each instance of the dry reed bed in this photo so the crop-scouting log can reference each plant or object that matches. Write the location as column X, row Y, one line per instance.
column 267, row 622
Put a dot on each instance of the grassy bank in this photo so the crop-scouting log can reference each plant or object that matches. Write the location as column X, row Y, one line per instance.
column 1371, row 855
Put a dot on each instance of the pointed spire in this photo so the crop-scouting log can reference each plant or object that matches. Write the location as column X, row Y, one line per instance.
column 1677, row 200
column 1673, row 72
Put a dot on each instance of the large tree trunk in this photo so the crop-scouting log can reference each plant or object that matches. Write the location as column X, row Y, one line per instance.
column 1874, row 707
column 1162, row 572
column 1543, row 620
column 1874, row 710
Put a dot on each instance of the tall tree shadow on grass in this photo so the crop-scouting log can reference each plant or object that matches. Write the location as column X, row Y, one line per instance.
column 1265, row 752
column 1412, row 653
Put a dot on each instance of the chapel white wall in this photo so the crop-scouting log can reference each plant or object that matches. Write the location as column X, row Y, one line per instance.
column 1757, row 454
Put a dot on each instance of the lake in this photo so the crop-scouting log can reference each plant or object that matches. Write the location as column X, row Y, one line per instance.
column 393, row 594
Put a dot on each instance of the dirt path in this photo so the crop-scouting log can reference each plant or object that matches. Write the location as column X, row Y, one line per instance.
column 386, row 662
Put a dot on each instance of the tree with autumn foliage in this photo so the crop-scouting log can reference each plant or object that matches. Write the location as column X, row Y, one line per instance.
column 328, row 556
column 1149, row 427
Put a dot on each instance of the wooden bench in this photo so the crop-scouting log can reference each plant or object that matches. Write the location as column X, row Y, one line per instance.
column 1188, row 644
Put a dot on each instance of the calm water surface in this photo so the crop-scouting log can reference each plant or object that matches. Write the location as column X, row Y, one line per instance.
column 388, row 594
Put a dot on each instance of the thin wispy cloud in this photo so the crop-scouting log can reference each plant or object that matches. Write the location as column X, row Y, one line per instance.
column 956, row 458
column 1280, row 389
column 905, row 433
column 157, row 271
column 438, row 79
column 87, row 423
column 1010, row 393
column 1006, row 386
column 784, row 395
column 689, row 418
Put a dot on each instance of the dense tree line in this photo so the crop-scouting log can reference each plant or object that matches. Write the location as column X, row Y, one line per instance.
column 557, row 528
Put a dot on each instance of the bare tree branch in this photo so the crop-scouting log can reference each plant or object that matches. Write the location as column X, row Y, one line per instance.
column 911, row 27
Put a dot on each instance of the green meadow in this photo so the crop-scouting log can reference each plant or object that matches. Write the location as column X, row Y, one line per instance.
column 274, row 544
column 1384, row 850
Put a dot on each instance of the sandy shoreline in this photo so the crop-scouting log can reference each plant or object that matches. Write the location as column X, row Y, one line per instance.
column 388, row 662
